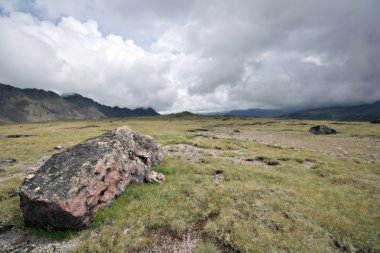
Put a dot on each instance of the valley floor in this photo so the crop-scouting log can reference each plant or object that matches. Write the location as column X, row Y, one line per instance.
column 233, row 185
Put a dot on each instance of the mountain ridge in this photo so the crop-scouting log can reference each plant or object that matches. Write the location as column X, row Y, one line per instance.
column 33, row 105
column 361, row 112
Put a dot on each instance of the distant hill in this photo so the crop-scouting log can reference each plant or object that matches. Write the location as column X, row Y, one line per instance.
column 364, row 112
column 33, row 105
column 257, row 112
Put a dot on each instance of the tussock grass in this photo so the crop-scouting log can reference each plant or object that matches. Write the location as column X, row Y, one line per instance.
column 314, row 200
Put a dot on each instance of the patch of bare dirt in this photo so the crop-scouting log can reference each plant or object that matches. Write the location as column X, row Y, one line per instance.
column 186, row 152
column 19, row 241
column 338, row 146
column 25, row 169
column 308, row 164
column 196, row 154
column 9, row 160
column 201, row 137
column 186, row 241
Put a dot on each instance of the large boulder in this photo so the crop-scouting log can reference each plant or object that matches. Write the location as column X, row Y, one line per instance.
column 72, row 185
column 322, row 129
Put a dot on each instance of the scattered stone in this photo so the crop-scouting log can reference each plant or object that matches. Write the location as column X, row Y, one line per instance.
column 19, row 238
column 272, row 162
column 59, row 147
column 5, row 226
column 24, row 248
column 218, row 172
column 236, row 131
column 154, row 177
column 218, row 175
column 376, row 121
column 10, row 160
column 322, row 129
column 309, row 165
column 71, row 186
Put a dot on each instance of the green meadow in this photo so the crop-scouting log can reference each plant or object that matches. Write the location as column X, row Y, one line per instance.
column 232, row 185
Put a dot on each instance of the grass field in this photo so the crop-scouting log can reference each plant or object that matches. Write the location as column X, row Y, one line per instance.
column 232, row 185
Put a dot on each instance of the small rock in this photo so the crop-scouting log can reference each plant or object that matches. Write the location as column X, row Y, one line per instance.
column 59, row 147
column 219, row 172
column 10, row 160
column 322, row 129
column 5, row 226
column 23, row 248
column 218, row 175
column 154, row 177
column 29, row 176
column 236, row 131
column 272, row 162
column 18, row 238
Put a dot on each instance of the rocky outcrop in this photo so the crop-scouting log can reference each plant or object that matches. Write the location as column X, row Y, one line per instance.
column 72, row 185
column 322, row 129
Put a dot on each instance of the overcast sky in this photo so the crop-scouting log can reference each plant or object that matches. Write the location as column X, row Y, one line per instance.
column 212, row 55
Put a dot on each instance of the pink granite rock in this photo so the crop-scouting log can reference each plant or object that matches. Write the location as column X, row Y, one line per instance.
column 72, row 185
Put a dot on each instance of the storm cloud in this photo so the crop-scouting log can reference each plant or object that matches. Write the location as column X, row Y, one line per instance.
column 195, row 55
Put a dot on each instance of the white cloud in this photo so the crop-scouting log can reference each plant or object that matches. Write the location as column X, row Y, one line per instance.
column 74, row 57
column 314, row 59
column 195, row 55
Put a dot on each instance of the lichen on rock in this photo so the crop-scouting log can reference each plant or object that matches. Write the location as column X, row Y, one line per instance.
column 72, row 185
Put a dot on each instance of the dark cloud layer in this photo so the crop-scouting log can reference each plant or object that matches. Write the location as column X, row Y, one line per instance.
column 196, row 55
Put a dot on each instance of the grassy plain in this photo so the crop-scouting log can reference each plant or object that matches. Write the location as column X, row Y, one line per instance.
column 233, row 185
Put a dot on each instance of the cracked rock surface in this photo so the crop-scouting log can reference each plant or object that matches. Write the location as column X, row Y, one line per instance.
column 71, row 186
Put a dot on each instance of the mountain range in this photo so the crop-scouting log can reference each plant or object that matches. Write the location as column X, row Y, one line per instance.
column 363, row 112
column 258, row 112
column 33, row 105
